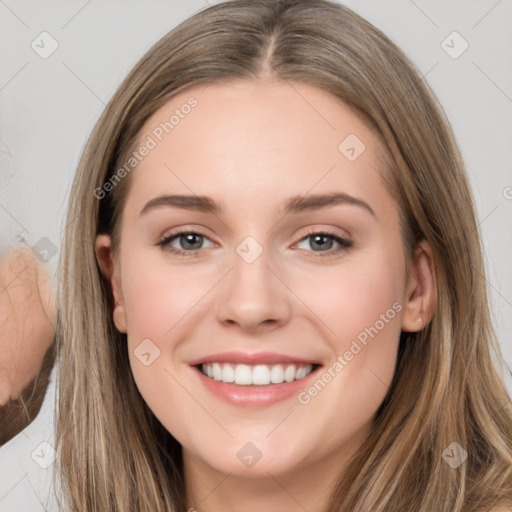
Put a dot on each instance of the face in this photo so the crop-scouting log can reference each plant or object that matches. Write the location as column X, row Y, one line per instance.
column 279, row 271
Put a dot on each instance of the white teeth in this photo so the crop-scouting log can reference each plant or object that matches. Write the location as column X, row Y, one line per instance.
column 277, row 374
column 289, row 373
column 261, row 375
column 243, row 374
column 257, row 375
column 228, row 373
column 217, row 371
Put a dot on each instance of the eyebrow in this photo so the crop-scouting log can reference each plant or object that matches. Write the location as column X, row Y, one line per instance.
column 296, row 204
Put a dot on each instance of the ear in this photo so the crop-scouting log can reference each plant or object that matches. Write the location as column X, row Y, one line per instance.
column 110, row 270
column 421, row 291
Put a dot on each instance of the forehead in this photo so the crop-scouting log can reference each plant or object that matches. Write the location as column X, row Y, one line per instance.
column 257, row 140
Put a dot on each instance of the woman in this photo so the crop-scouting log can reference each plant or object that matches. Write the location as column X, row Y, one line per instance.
column 254, row 369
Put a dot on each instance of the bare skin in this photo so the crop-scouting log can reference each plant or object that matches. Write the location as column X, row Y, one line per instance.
column 27, row 320
column 251, row 146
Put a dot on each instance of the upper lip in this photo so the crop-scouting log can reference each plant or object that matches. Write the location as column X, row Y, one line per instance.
column 251, row 359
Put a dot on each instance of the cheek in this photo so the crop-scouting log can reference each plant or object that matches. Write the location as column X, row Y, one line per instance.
column 157, row 300
column 157, row 295
column 359, row 304
column 353, row 297
column 161, row 300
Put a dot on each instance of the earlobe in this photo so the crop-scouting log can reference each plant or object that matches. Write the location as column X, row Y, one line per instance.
column 110, row 270
column 421, row 292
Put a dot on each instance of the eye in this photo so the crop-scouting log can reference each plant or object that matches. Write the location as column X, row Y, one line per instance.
column 190, row 241
column 321, row 242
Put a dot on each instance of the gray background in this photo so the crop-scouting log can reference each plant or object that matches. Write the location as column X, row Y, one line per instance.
column 49, row 106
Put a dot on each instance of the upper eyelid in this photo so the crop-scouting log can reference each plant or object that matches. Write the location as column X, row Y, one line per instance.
column 344, row 243
column 310, row 232
column 175, row 234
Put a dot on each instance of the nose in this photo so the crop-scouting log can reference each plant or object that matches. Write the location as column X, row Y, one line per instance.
column 254, row 296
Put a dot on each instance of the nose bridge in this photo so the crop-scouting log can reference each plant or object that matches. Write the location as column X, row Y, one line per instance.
column 252, row 294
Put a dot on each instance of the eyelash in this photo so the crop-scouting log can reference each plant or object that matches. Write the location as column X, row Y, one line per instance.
column 344, row 243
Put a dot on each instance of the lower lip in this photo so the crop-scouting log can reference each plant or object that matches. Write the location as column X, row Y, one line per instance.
column 255, row 396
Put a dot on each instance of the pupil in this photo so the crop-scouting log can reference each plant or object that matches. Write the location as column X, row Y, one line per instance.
column 321, row 245
column 189, row 240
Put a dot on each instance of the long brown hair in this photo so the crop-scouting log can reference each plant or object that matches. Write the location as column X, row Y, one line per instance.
column 115, row 455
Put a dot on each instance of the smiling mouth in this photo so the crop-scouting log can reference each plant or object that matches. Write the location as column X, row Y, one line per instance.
column 256, row 375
